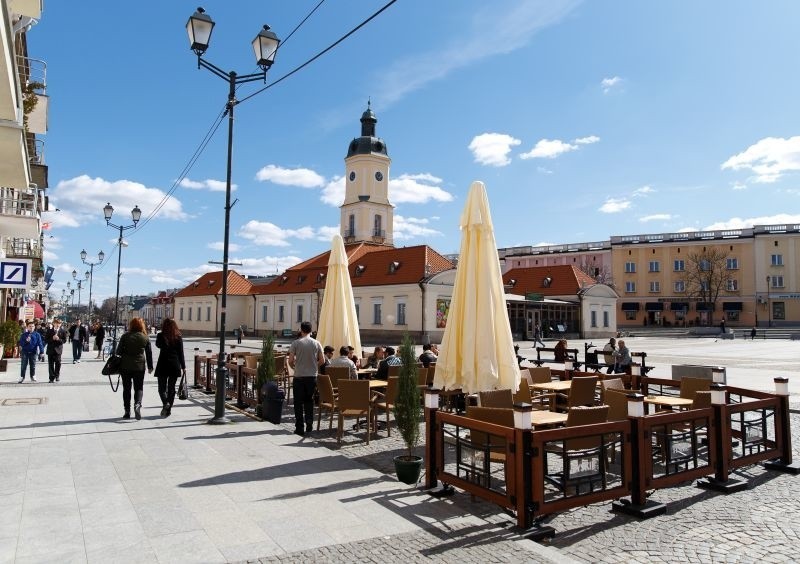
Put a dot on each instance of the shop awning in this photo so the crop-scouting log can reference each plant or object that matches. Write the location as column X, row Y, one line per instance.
column 679, row 306
column 731, row 306
column 630, row 306
column 654, row 306
column 703, row 306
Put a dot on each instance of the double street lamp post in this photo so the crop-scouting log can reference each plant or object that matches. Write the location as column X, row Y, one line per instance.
column 80, row 286
column 100, row 256
column 136, row 215
column 769, row 304
column 199, row 28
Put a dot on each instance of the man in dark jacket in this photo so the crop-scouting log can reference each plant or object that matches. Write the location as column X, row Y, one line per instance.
column 30, row 346
column 55, row 338
column 78, row 335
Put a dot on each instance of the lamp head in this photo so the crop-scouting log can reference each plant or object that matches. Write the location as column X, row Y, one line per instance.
column 83, row 255
column 136, row 214
column 86, row 275
column 100, row 256
column 108, row 211
column 199, row 28
column 74, row 274
column 265, row 45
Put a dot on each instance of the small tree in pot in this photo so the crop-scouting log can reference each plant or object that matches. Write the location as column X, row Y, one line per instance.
column 406, row 413
column 270, row 397
column 9, row 336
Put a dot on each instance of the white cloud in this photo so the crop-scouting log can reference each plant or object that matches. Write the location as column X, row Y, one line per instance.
column 266, row 234
column 219, row 245
column 769, row 159
column 615, row 205
column 607, row 84
column 739, row 186
column 333, row 192
column 82, row 199
column 326, row 232
column 49, row 255
column 548, row 149
column 411, row 227
column 417, row 189
column 587, row 140
column 643, row 191
column 301, row 177
column 740, row 223
column 655, row 217
column 208, row 184
column 543, row 170
column 492, row 148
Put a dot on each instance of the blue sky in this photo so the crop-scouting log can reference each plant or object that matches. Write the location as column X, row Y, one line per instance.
column 584, row 120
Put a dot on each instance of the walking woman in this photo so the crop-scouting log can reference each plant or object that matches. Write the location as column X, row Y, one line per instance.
column 171, row 364
column 134, row 348
column 99, row 337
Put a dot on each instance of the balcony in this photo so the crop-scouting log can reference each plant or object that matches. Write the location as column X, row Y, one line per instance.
column 16, row 248
column 349, row 236
column 20, row 212
column 378, row 235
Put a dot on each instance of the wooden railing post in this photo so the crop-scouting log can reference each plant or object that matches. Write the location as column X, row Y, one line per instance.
column 432, row 446
column 638, row 505
column 523, row 489
column 209, row 369
column 722, row 429
column 784, row 463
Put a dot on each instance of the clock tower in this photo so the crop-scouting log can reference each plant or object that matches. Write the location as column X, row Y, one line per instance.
column 367, row 215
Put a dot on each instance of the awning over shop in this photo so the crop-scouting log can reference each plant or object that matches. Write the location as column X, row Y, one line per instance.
column 630, row 306
column 679, row 306
column 654, row 306
column 731, row 306
column 704, row 306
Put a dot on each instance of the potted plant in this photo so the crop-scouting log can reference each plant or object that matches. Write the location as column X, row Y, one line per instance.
column 270, row 397
column 9, row 337
column 406, row 412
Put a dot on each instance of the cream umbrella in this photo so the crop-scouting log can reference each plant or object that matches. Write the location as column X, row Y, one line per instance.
column 477, row 350
column 338, row 324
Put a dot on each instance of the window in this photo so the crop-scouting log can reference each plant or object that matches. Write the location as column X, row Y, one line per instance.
column 630, row 287
column 732, row 264
column 778, row 310
column 376, row 314
column 630, row 315
column 704, row 286
column 679, row 266
column 732, row 286
column 705, row 265
column 594, row 318
column 655, row 286
column 299, row 317
column 208, row 313
column 777, row 260
column 655, row 266
column 605, row 319
column 190, row 313
column 180, row 316
column 280, row 314
column 199, row 317
column 378, row 227
column 264, row 311
column 777, row 281
column 732, row 315
column 680, row 287
column 351, row 229
column 630, row 267
column 401, row 314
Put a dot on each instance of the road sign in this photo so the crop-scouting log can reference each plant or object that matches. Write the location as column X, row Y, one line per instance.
column 15, row 273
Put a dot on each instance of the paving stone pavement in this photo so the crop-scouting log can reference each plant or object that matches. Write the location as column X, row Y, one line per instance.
column 79, row 485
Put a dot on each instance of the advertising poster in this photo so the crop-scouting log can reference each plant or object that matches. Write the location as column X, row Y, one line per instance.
column 442, row 308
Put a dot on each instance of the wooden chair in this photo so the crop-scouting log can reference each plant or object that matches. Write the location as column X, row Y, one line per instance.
column 337, row 373
column 327, row 398
column 540, row 374
column 431, row 373
column 422, row 377
column 617, row 402
column 385, row 401
column 583, row 460
column 251, row 360
column 282, row 374
column 523, row 395
column 702, row 399
column 610, row 384
column 581, row 393
column 486, row 443
column 394, row 370
column 354, row 401
column 690, row 386
column 496, row 398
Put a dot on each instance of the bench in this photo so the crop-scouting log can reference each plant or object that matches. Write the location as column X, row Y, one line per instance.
column 572, row 354
column 592, row 362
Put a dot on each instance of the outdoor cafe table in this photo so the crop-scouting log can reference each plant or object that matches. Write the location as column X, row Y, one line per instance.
column 366, row 373
column 556, row 386
column 378, row 384
column 672, row 402
column 542, row 418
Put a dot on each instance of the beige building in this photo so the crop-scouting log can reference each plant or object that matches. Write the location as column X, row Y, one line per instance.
column 776, row 274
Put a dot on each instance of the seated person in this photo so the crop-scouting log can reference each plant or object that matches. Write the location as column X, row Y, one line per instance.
column 520, row 358
column 351, row 354
column 383, row 366
column 622, row 358
column 427, row 357
column 608, row 354
column 344, row 360
column 560, row 351
column 374, row 359
column 328, row 354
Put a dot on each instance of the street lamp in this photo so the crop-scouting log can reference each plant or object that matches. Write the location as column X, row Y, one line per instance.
column 199, row 28
column 100, row 256
column 80, row 285
column 769, row 305
column 136, row 214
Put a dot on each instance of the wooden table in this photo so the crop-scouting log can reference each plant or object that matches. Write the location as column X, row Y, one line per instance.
column 366, row 373
column 669, row 401
column 556, row 386
column 377, row 384
column 547, row 418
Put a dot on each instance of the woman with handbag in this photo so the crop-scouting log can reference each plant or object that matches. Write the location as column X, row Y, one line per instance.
column 171, row 364
column 136, row 354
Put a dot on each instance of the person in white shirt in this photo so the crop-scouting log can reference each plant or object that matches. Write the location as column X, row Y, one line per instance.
column 343, row 360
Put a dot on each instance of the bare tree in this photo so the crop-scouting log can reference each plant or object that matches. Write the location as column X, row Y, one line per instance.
column 707, row 275
column 601, row 274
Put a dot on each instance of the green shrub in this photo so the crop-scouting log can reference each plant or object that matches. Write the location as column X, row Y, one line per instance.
column 407, row 405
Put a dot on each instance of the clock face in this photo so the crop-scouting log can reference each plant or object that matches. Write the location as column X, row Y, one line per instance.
column 379, row 176
column 352, row 176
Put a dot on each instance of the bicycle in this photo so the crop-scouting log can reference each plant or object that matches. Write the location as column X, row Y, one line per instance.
column 108, row 348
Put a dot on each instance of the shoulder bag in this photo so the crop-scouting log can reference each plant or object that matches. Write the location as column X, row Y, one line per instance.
column 111, row 367
column 183, row 387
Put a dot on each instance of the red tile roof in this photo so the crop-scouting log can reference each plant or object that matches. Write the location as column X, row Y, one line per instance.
column 210, row 284
column 566, row 280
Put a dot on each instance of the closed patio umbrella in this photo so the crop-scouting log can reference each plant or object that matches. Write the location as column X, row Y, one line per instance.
column 338, row 324
column 477, row 351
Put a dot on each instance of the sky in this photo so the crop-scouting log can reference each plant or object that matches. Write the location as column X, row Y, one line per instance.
column 585, row 120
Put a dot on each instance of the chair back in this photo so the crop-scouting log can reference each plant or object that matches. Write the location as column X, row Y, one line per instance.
column 280, row 364
column 337, row 373
column 251, row 361
column 422, row 376
column 702, row 399
column 354, row 395
column 585, row 416
column 325, row 389
column 394, row 369
column 431, row 372
column 392, row 388
column 540, row 374
column 690, row 386
column 496, row 398
column 582, row 390
column 611, row 384
column 495, row 415
column 523, row 395
column 617, row 402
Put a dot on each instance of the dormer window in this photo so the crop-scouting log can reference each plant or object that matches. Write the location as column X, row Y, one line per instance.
column 301, row 278
column 360, row 268
column 211, row 283
column 320, row 277
column 284, row 279
column 393, row 266
column 512, row 282
column 547, row 281
column 196, row 284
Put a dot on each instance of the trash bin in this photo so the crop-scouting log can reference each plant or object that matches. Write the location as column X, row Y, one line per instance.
column 272, row 402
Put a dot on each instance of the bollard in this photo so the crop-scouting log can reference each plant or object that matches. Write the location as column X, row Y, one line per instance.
column 784, row 463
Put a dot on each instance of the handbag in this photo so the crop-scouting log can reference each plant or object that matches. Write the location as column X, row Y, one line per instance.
column 86, row 346
column 183, row 388
column 112, row 365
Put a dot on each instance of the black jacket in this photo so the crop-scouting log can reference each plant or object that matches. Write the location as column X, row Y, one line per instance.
column 170, row 357
column 135, row 350
column 84, row 334
column 55, row 347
